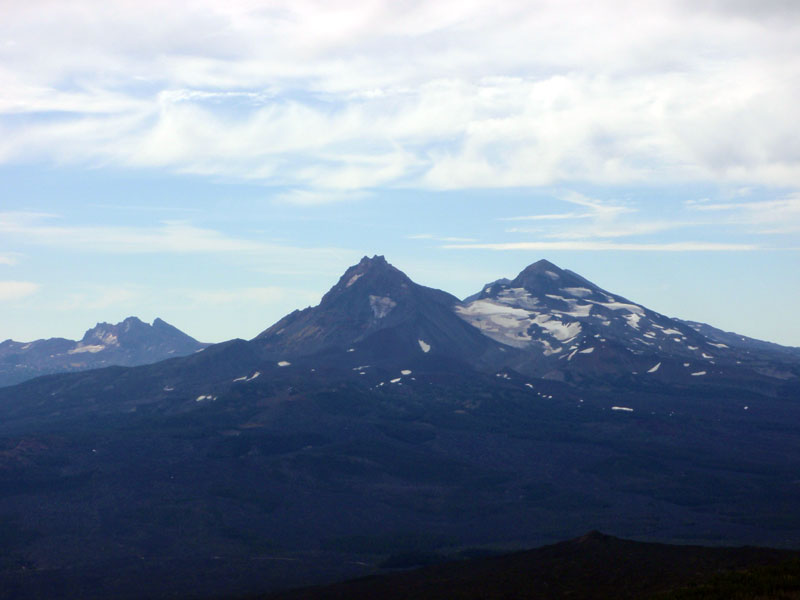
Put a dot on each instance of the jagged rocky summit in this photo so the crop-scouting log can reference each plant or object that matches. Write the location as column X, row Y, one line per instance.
column 128, row 343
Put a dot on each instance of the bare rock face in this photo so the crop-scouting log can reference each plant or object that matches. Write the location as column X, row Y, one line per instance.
column 128, row 343
column 376, row 311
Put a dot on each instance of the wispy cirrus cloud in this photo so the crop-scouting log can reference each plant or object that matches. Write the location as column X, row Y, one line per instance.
column 601, row 219
column 775, row 216
column 600, row 246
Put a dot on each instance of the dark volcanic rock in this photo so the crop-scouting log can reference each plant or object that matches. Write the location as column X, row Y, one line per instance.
column 376, row 311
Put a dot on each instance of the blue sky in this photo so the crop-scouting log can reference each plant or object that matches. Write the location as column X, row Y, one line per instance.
column 220, row 164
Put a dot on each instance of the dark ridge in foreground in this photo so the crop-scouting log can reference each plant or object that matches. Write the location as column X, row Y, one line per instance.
column 592, row 566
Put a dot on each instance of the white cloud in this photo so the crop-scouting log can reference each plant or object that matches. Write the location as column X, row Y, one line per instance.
column 610, row 246
column 609, row 230
column 776, row 216
column 7, row 259
column 349, row 96
column 16, row 290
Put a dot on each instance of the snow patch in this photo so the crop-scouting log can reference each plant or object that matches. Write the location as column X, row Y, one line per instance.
column 557, row 328
column 520, row 297
column 505, row 324
column 353, row 279
column 424, row 346
column 717, row 345
column 549, row 349
column 706, row 356
column 405, row 372
column 205, row 397
column 580, row 292
column 632, row 319
column 633, row 308
column 587, row 351
column 246, row 378
column 395, row 380
column 623, row 408
column 654, row 369
column 284, row 363
column 91, row 349
column 698, row 373
column 551, row 275
column 381, row 305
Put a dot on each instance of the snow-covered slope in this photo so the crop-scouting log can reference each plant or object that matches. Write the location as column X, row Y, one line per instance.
column 585, row 330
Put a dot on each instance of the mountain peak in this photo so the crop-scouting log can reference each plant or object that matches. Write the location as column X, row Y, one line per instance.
column 376, row 260
column 542, row 275
column 376, row 273
column 542, row 266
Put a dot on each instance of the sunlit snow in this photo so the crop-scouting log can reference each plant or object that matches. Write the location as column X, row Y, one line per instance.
column 91, row 349
column 353, row 279
column 578, row 291
column 253, row 376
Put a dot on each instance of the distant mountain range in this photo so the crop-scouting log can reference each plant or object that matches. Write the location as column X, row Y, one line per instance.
column 393, row 420
column 547, row 322
column 129, row 343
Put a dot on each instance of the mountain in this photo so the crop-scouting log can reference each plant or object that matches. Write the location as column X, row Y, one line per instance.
column 290, row 460
column 586, row 332
column 129, row 343
column 375, row 312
